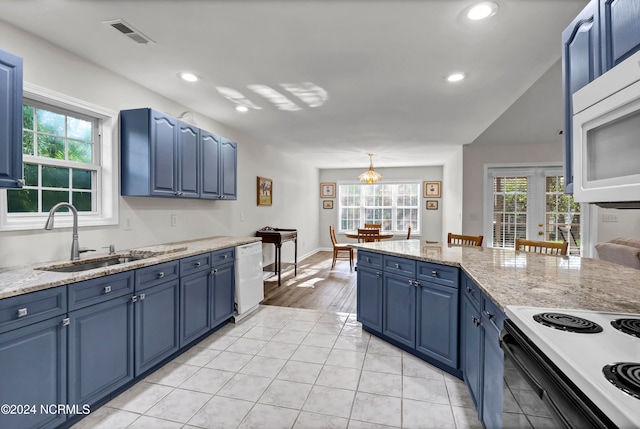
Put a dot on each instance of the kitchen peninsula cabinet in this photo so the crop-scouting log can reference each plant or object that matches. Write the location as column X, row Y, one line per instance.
column 162, row 156
column 471, row 338
column 369, row 293
column 11, row 68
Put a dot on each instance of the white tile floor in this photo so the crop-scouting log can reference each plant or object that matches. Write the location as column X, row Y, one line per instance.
column 291, row 368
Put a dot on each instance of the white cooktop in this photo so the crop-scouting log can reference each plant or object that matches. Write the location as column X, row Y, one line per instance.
column 582, row 356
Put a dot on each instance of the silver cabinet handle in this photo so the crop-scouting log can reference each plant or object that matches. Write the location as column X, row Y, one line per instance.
column 378, row 273
column 134, row 298
column 411, row 283
column 397, row 266
column 225, row 256
column 489, row 315
column 160, row 274
column 22, row 312
column 141, row 296
column 434, row 273
column 197, row 264
column 107, row 289
column 475, row 321
column 214, row 271
column 66, row 321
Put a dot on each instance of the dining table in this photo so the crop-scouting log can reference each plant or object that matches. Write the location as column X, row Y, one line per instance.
column 383, row 235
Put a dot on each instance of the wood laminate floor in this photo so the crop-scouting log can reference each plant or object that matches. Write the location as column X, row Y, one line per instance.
column 316, row 286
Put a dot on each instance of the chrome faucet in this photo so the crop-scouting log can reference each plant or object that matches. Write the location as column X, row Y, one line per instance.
column 75, row 247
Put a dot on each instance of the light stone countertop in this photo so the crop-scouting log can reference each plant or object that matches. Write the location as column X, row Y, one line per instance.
column 530, row 279
column 28, row 278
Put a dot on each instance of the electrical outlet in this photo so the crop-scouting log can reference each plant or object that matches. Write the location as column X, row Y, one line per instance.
column 609, row 218
column 174, row 220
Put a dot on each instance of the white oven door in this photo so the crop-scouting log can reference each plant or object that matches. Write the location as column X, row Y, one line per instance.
column 606, row 147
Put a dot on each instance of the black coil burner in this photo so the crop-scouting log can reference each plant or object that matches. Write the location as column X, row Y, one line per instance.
column 625, row 376
column 628, row 326
column 566, row 322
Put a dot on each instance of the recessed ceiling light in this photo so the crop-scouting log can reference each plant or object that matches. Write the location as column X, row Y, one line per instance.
column 456, row 77
column 189, row 77
column 482, row 10
column 242, row 108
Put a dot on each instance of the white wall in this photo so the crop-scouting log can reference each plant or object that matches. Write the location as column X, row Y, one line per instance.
column 625, row 223
column 431, row 227
column 294, row 205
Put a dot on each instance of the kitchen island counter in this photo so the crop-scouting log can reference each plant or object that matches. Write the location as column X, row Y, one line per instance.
column 512, row 277
column 29, row 278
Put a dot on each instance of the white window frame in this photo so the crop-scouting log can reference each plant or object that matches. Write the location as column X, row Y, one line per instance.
column 416, row 231
column 106, row 195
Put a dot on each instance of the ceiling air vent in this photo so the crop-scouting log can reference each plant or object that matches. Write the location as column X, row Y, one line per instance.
column 129, row 31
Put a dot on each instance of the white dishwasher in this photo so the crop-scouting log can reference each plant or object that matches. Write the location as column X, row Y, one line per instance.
column 249, row 279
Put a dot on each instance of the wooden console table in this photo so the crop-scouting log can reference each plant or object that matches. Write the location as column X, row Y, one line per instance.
column 277, row 236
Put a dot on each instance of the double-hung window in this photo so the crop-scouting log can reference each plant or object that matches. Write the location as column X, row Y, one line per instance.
column 395, row 206
column 66, row 158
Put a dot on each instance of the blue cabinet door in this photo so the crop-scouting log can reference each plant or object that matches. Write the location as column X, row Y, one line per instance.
column 164, row 164
column 100, row 349
column 580, row 65
column 210, row 165
column 156, row 325
column 229, row 162
column 10, row 120
column 188, row 159
column 223, row 281
column 195, row 298
column 471, row 350
column 619, row 30
column 33, row 370
column 399, row 309
column 369, row 298
column 493, row 374
column 437, row 322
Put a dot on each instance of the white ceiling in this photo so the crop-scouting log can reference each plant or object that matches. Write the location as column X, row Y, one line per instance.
column 381, row 62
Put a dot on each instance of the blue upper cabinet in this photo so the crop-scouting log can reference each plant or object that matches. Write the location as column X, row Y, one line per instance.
column 229, row 161
column 619, row 30
column 580, row 65
column 164, row 157
column 10, row 120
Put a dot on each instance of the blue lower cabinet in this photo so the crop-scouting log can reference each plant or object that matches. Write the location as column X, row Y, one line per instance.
column 471, row 349
column 195, row 298
column 369, row 298
column 100, row 349
column 33, row 363
column 492, row 380
column 399, row 309
column 223, row 290
column 156, row 324
column 437, row 322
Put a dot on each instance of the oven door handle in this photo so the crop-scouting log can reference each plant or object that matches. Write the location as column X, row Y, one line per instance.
column 506, row 343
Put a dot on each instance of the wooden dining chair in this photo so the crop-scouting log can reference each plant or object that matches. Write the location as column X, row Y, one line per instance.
column 340, row 250
column 373, row 225
column 368, row 235
column 408, row 233
column 545, row 247
column 465, row 240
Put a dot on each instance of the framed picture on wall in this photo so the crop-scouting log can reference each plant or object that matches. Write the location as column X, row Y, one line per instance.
column 432, row 205
column 327, row 204
column 432, row 189
column 327, row 190
column 265, row 191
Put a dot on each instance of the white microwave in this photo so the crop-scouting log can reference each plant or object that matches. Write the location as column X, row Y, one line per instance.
column 606, row 138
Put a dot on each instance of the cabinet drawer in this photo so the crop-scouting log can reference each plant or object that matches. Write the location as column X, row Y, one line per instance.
column 471, row 291
column 402, row 266
column 33, row 307
column 99, row 290
column 491, row 313
column 442, row 274
column 195, row 264
column 222, row 256
column 156, row 274
column 370, row 260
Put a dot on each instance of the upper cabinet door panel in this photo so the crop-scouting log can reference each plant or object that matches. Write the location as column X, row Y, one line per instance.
column 620, row 30
column 210, row 165
column 229, row 154
column 188, row 143
column 10, row 120
column 163, row 154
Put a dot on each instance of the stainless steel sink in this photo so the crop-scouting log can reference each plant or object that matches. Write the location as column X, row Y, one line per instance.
column 90, row 264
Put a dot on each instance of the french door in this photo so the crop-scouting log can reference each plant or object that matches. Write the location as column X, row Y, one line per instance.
column 530, row 203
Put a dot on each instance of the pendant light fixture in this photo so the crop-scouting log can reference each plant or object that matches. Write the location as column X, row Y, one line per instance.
column 370, row 177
